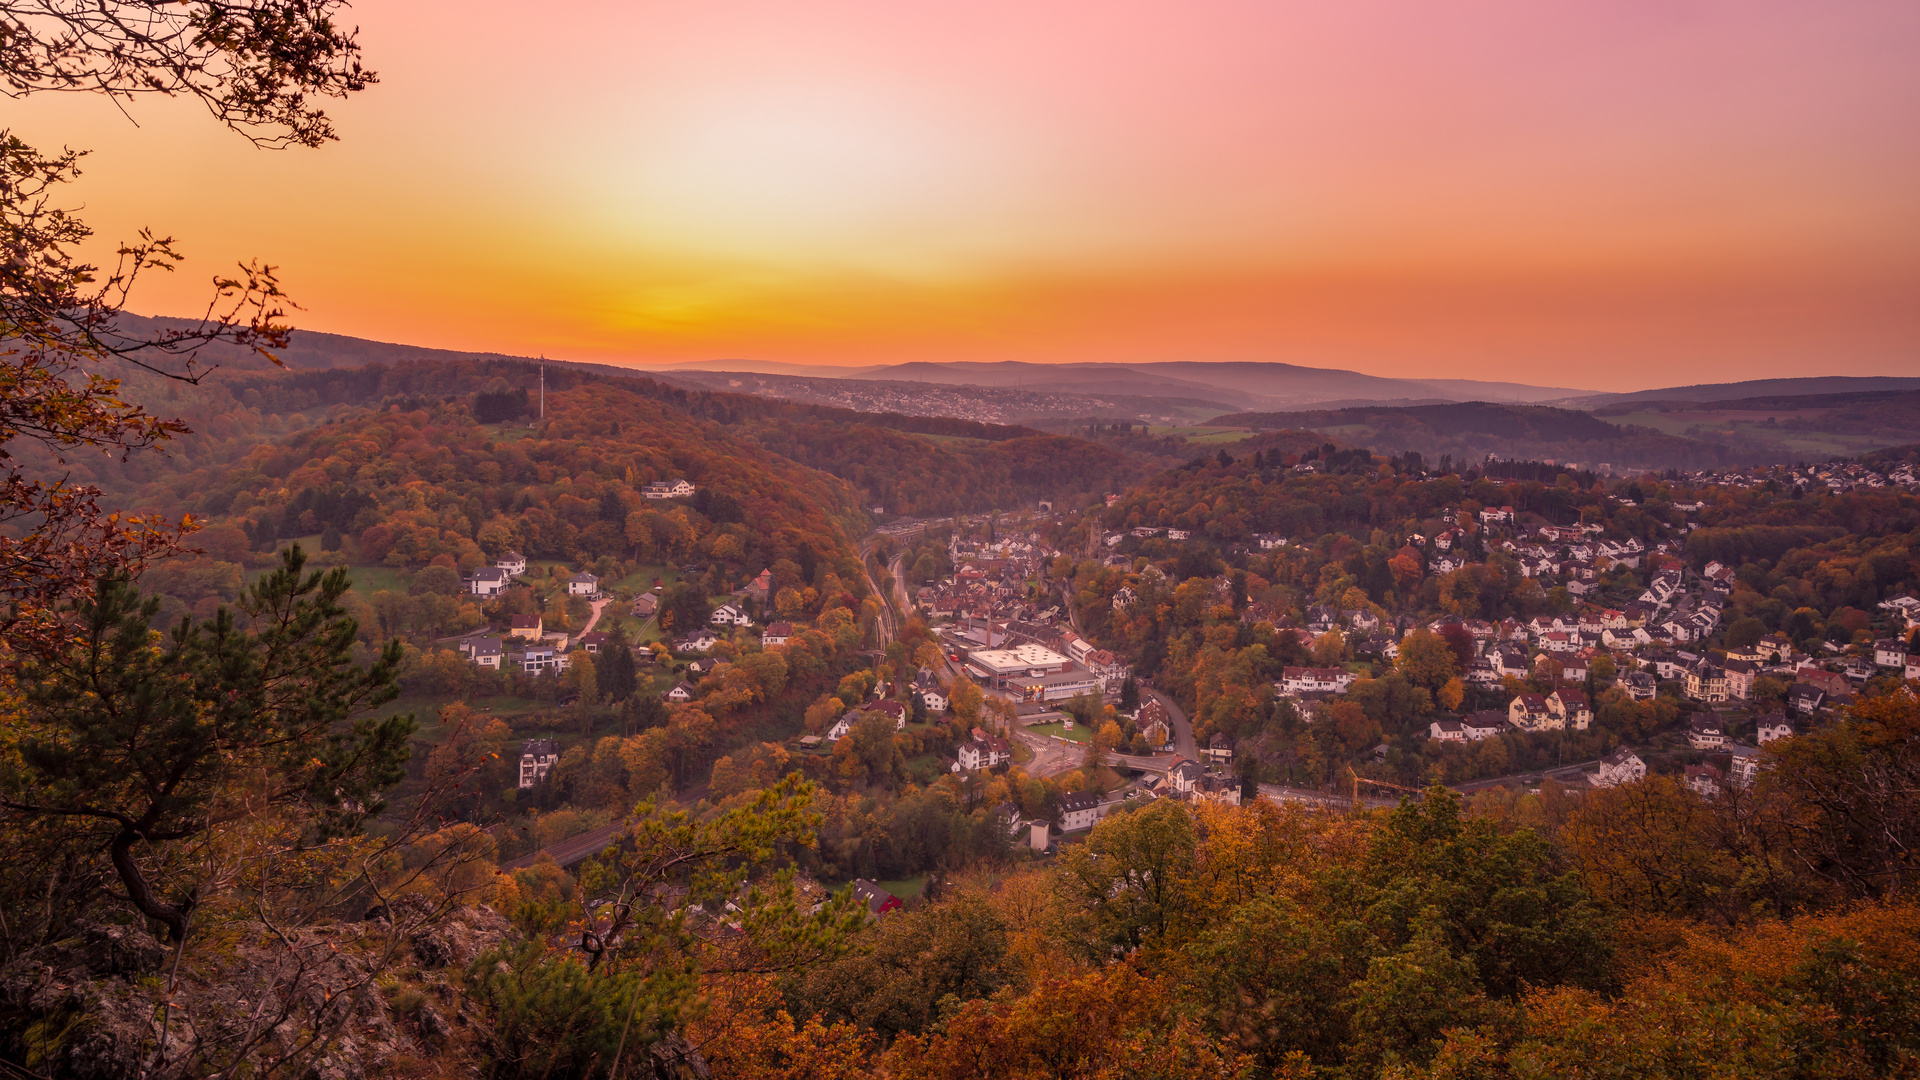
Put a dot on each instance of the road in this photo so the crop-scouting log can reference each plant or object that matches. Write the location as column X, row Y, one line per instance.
column 887, row 627
column 567, row 852
column 1564, row 774
column 598, row 607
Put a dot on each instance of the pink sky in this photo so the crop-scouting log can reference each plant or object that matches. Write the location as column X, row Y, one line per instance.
column 1600, row 195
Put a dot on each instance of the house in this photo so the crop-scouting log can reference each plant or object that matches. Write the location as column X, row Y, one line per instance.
column 537, row 758
column 681, row 692
column 878, row 901
column 893, row 710
column 1570, row 708
column 1775, row 647
column 730, row 615
column 1123, row 598
column 977, row 754
column 1483, row 725
column 1621, row 766
column 697, row 642
column 1890, row 652
column 486, row 652
column 583, row 584
column 1705, row 733
column 646, row 606
column 1774, row 725
column 1184, row 775
column 1744, row 764
column 540, row 659
column 1740, row 675
column 1224, row 790
column 1446, row 731
column 1306, row 680
column 526, row 626
column 1153, row 723
column 514, row 563
column 1640, row 686
column 1806, row 698
column 1079, row 810
column 593, row 642
column 777, row 634
column 1528, row 712
column 488, row 581
column 1704, row 780
column 761, row 587
column 677, row 488
column 1219, row 748
column 1706, row 681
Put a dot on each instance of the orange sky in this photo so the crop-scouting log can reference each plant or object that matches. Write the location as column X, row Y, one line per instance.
column 1611, row 195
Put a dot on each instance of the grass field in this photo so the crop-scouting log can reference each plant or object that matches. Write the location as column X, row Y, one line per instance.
column 1204, row 436
column 906, row 889
column 1079, row 734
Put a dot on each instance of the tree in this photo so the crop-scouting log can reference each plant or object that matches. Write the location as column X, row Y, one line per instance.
column 262, row 70
column 1129, row 695
column 1426, row 660
column 147, row 743
column 1126, row 884
column 613, row 973
column 615, row 672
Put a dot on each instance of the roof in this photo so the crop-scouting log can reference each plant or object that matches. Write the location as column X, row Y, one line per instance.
column 779, row 629
column 540, row 747
column 489, row 573
column 871, row 894
column 526, row 622
column 583, row 576
column 1077, row 801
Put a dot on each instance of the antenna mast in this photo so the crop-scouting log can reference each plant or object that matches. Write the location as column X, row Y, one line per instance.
column 543, row 386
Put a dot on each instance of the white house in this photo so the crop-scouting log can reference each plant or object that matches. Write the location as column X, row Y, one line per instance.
column 730, row 615
column 1446, row 731
column 1890, row 652
column 488, row 581
column 677, row 488
column 1744, row 764
column 537, row 757
column 777, row 634
column 485, row 652
column 1705, row 733
column 1308, row 680
column 697, row 642
column 1079, row 810
column 680, row 692
column 976, row 754
column 1773, row 726
column 514, row 563
column 583, row 584
column 1622, row 766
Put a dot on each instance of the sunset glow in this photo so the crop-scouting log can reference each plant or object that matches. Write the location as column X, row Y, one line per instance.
column 1661, row 193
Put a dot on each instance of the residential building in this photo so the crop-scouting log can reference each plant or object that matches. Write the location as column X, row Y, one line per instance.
column 1774, row 725
column 677, row 488
column 537, row 758
column 1744, row 764
column 1621, row 766
column 1890, row 653
column 528, row 627
column 1529, row 712
column 1446, row 731
column 1706, row 733
column 681, row 692
column 488, row 581
column 1183, row 775
column 1640, row 686
column 514, row 563
column 646, row 606
column 1219, row 748
column 877, row 900
column 1311, row 680
column 1706, row 681
column 583, row 584
column 1570, row 708
column 486, row 652
column 977, row 754
column 1704, row 780
column 1483, row 725
column 730, row 615
column 1079, row 810
column 777, row 634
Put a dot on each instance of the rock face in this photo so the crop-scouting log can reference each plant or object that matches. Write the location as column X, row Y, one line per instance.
column 343, row 1002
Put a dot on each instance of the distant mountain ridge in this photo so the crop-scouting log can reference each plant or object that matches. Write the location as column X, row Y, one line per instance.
column 1758, row 388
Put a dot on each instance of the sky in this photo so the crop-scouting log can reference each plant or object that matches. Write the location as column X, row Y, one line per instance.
column 1600, row 195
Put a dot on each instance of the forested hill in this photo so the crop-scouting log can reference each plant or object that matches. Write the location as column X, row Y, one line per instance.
column 1471, row 430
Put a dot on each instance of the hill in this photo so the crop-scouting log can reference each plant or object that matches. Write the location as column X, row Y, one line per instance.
column 1753, row 388
column 1269, row 384
column 1470, row 431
